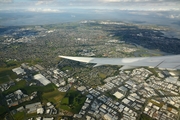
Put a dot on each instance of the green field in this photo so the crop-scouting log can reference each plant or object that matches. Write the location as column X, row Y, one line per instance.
column 53, row 96
column 3, row 109
column 157, row 104
column 29, row 89
column 33, row 61
column 102, row 75
column 48, row 88
column 12, row 63
column 67, row 68
column 4, row 79
column 19, row 116
column 5, row 74
column 66, row 107
column 73, row 101
column 65, row 101
column 145, row 117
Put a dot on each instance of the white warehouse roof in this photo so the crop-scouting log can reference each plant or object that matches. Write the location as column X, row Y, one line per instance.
column 41, row 79
column 118, row 95
column 18, row 70
column 81, row 88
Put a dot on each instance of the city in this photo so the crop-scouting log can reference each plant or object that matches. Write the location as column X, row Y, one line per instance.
column 128, row 95
column 36, row 84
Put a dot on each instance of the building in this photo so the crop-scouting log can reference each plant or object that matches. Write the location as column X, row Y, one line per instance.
column 15, row 98
column 18, row 71
column 41, row 79
column 171, row 80
column 40, row 110
column 82, row 88
column 48, row 118
column 108, row 117
column 39, row 67
column 123, row 90
column 118, row 95
column 33, row 107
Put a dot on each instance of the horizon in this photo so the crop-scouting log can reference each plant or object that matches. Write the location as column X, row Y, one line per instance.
column 40, row 12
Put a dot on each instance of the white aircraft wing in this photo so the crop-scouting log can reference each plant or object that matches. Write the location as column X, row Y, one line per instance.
column 167, row 62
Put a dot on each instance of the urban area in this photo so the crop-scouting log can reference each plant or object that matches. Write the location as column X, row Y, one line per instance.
column 35, row 84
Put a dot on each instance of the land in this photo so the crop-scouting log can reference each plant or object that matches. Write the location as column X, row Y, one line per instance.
column 36, row 84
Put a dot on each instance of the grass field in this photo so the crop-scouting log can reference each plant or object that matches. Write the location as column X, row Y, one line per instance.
column 29, row 89
column 67, row 68
column 157, row 104
column 2, row 109
column 54, row 96
column 66, row 107
column 145, row 117
column 75, row 101
column 4, row 73
column 19, row 116
column 65, row 101
column 48, row 88
column 33, row 61
column 12, row 63
column 4, row 79
column 102, row 76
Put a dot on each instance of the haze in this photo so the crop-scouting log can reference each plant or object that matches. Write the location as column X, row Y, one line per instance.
column 36, row 12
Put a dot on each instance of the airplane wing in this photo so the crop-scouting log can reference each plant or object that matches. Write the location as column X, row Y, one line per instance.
column 167, row 62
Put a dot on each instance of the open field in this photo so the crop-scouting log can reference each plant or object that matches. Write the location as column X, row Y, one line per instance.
column 48, row 88
column 72, row 101
column 4, row 79
column 145, row 117
column 19, row 116
column 2, row 109
column 6, row 74
column 53, row 96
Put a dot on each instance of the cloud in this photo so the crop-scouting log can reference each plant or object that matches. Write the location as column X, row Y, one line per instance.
column 124, row 1
column 138, row 1
column 115, row 1
column 39, row 2
column 45, row 10
column 102, row 11
column 139, row 13
column 44, row 2
column 146, row 5
column 6, row 1
column 174, row 16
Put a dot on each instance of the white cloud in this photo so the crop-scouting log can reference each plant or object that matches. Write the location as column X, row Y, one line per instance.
column 124, row 0
column 39, row 2
column 146, row 5
column 164, row 9
column 173, row 16
column 45, row 10
column 140, row 13
column 44, row 2
column 114, row 0
column 100, row 11
column 6, row 1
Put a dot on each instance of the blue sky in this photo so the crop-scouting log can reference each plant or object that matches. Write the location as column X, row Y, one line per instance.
column 63, row 5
